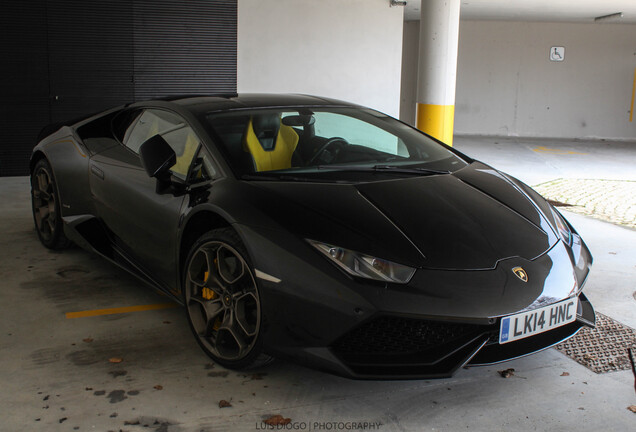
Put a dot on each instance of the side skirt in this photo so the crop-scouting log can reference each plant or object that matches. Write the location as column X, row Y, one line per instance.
column 90, row 234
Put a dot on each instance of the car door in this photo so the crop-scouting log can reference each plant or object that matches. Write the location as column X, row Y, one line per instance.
column 143, row 223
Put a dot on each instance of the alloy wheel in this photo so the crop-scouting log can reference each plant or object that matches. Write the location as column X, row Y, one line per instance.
column 222, row 301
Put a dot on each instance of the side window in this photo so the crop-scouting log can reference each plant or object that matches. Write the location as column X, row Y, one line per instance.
column 173, row 129
column 123, row 123
column 203, row 167
column 149, row 124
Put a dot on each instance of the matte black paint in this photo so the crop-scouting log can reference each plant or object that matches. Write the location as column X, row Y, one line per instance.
column 464, row 232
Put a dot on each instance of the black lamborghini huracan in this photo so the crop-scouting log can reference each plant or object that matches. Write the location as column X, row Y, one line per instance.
column 313, row 229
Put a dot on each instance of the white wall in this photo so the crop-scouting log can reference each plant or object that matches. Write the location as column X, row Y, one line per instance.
column 506, row 84
column 345, row 49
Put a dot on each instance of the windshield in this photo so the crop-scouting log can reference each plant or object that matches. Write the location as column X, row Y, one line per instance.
column 323, row 141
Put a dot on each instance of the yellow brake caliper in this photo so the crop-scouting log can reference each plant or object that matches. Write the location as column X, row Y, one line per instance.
column 208, row 294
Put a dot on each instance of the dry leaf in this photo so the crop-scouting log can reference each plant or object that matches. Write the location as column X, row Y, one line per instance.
column 632, row 408
column 115, row 359
column 277, row 420
column 87, row 340
column 224, row 404
column 565, row 374
column 507, row 373
column 158, row 387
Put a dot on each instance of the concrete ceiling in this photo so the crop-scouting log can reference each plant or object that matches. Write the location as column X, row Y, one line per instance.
column 538, row 10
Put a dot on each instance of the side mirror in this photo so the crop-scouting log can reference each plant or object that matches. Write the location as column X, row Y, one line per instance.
column 157, row 157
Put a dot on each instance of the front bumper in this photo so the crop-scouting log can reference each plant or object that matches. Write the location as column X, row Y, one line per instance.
column 440, row 322
column 404, row 348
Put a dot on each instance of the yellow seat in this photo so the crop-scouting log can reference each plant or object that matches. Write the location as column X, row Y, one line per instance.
column 185, row 159
column 271, row 145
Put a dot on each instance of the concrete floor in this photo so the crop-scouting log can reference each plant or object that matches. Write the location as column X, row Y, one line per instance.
column 56, row 375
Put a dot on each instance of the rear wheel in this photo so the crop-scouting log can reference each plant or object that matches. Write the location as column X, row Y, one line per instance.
column 223, row 302
column 46, row 207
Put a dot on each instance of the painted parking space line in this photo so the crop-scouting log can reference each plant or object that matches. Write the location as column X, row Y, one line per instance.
column 119, row 310
column 555, row 151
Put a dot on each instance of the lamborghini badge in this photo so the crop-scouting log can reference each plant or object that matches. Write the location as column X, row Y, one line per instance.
column 520, row 273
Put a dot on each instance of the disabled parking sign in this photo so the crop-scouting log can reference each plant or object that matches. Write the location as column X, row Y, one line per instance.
column 557, row 53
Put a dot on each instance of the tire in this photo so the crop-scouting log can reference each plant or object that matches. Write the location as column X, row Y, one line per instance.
column 223, row 302
column 45, row 205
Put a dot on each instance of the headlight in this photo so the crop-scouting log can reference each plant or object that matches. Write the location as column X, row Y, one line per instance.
column 365, row 266
column 562, row 227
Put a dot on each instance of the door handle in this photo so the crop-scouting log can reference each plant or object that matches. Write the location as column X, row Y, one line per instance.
column 98, row 172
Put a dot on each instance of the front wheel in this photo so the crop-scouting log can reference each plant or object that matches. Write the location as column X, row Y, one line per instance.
column 222, row 301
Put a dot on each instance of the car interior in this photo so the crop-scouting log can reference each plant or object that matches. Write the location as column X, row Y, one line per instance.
column 274, row 140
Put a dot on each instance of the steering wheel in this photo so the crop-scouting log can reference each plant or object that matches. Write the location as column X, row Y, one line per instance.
column 323, row 149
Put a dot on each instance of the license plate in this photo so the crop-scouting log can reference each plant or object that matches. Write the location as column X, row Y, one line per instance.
column 526, row 324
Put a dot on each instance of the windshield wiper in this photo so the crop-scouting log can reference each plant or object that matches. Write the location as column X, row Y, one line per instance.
column 285, row 177
column 383, row 168
column 273, row 177
column 409, row 170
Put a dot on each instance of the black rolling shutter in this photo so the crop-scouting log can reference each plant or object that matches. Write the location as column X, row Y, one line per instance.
column 24, row 83
column 184, row 47
column 68, row 58
column 90, row 56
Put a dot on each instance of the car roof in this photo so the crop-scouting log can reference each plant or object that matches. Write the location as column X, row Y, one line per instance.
column 225, row 102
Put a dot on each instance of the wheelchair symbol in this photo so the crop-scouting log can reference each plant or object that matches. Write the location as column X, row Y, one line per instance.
column 557, row 54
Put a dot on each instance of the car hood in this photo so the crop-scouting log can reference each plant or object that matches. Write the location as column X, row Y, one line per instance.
column 468, row 220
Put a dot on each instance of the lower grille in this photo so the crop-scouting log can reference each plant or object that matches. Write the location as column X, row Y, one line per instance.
column 398, row 336
column 405, row 346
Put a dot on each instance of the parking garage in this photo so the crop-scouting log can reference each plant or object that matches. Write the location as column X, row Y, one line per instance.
column 542, row 91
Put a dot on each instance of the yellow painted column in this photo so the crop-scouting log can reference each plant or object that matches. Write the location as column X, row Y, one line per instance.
column 436, row 120
column 437, row 68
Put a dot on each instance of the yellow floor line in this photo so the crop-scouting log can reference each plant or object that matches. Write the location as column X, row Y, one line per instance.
column 555, row 151
column 112, row 311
